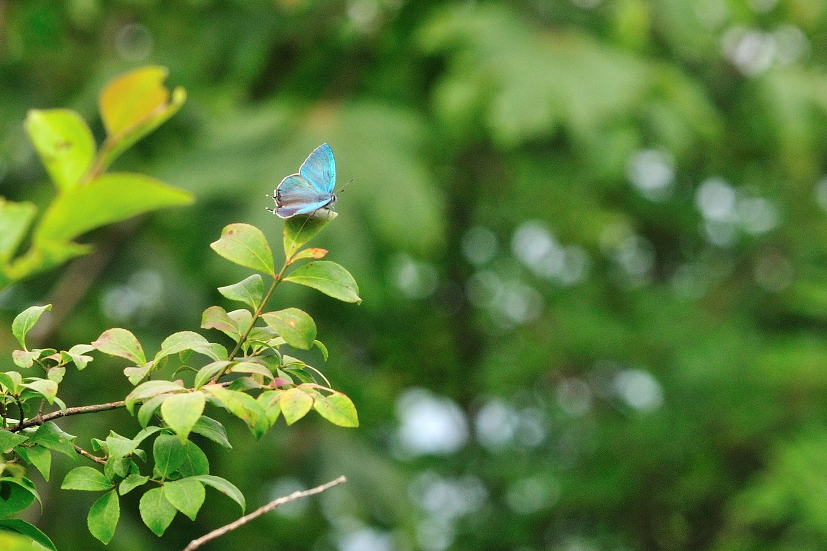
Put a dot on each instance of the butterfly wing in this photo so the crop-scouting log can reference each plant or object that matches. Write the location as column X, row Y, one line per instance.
column 320, row 170
column 295, row 195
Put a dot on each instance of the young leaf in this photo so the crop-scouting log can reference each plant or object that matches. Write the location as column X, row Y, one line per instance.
column 327, row 277
column 135, row 374
column 250, row 291
column 295, row 403
column 246, row 246
column 337, row 408
column 107, row 199
column 15, row 219
column 156, row 512
column 86, row 479
column 212, row 429
column 11, row 541
column 64, row 143
column 186, row 495
column 169, row 453
column 29, row 530
column 299, row 230
column 182, row 411
column 322, row 348
column 25, row 358
column 148, row 409
column 25, row 320
column 295, row 326
column 134, row 104
column 16, row 495
column 50, row 436
column 225, row 487
column 314, row 253
column 187, row 340
column 131, row 482
column 150, row 389
column 122, row 343
column 11, row 380
column 103, row 516
column 77, row 355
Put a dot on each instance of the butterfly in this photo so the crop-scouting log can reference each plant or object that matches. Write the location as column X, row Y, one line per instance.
column 310, row 191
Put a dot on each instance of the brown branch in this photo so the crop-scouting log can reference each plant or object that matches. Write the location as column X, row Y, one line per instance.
column 85, row 453
column 218, row 532
column 40, row 419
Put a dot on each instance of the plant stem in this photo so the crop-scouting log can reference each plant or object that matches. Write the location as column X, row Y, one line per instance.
column 218, row 532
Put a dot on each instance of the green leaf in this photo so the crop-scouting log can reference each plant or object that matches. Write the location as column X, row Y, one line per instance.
column 12, row 381
column 169, row 453
column 131, row 482
column 246, row 246
column 148, row 409
column 133, row 105
column 29, row 530
column 15, row 219
column 107, row 199
column 295, row 403
column 270, row 403
column 182, row 411
column 13, row 541
column 25, row 320
column 64, row 142
column 156, row 512
column 50, row 436
column 250, row 291
column 215, row 317
column 196, row 462
column 327, row 277
column 150, row 389
column 103, row 516
column 252, row 367
column 189, row 340
column 312, row 253
column 337, row 408
column 242, row 406
column 225, row 487
column 44, row 387
column 86, row 479
column 322, row 347
column 212, row 429
column 38, row 456
column 122, row 343
column 208, row 372
column 299, row 230
column 135, row 374
column 9, row 439
column 77, row 355
column 186, row 495
column 294, row 326
column 16, row 495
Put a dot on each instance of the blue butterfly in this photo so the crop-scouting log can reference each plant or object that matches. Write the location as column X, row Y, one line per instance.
column 310, row 190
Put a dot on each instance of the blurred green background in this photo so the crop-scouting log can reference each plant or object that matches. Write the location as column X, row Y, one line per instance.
column 590, row 236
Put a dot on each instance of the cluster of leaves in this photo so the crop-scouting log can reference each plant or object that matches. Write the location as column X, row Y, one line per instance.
column 256, row 382
column 88, row 197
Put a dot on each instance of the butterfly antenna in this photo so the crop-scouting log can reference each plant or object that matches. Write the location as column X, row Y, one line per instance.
column 341, row 189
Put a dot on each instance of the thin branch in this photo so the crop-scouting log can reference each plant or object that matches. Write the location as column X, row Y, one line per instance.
column 85, row 453
column 40, row 419
column 218, row 532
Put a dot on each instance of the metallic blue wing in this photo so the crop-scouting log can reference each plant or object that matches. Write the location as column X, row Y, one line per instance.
column 295, row 195
column 320, row 169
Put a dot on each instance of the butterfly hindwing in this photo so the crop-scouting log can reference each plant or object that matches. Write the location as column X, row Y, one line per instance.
column 320, row 169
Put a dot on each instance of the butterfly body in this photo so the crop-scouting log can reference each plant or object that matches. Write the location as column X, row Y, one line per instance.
column 311, row 189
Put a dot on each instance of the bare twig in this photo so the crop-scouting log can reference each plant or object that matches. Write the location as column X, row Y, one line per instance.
column 40, row 419
column 218, row 532
column 85, row 453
